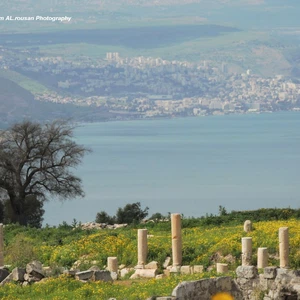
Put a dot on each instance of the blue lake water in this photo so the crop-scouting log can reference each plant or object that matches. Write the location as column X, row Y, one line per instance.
column 188, row 165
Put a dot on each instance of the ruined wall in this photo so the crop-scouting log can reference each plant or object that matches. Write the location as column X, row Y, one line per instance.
column 273, row 284
column 205, row 288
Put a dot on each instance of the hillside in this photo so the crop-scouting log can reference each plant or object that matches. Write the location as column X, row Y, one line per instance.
column 70, row 246
column 17, row 103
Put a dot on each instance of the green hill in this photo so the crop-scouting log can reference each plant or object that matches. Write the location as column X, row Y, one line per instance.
column 17, row 103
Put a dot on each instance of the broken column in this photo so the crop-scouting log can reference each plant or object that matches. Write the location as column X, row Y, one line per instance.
column 246, row 251
column 248, row 226
column 222, row 268
column 176, row 239
column 1, row 246
column 142, row 248
column 112, row 264
column 262, row 258
column 284, row 247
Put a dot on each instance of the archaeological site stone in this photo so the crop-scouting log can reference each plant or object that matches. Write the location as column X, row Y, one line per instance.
column 112, row 264
column 262, row 258
column 246, row 251
column 142, row 248
column 222, row 268
column 176, row 239
column 284, row 247
column 248, row 226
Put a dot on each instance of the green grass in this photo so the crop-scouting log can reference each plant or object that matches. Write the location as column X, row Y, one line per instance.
column 65, row 288
column 202, row 240
column 191, row 50
column 25, row 82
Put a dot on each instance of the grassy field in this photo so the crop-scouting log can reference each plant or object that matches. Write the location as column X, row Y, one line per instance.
column 189, row 50
column 24, row 81
column 63, row 246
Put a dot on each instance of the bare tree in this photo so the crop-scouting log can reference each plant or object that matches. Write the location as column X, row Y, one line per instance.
column 37, row 160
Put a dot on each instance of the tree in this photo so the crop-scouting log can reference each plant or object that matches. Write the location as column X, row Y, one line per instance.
column 157, row 217
column 222, row 211
column 131, row 213
column 36, row 162
column 104, row 217
column 33, row 209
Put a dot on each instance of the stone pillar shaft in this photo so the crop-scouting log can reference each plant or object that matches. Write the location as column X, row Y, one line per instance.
column 246, row 251
column 176, row 239
column 222, row 268
column 112, row 264
column 248, row 226
column 262, row 258
column 284, row 247
column 142, row 247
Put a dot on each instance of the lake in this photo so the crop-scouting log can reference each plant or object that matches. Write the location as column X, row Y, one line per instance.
column 187, row 165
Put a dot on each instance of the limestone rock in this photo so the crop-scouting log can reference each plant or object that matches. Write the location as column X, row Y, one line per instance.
column 18, row 274
column 114, row 275
column 30, row 278
column 94, row 268
column 248, row 272
column 102, row 275
column 152, row 265
column 116, row 226
column 144, row 273
column 35, row 269
column 71, row 272
column 198, row 269
column 270, row 272
column 175, row 270
column 84, row 275
column 125, row 271
column 186, row 270
column 7, row 279
column 3, row 274
column 167, row 262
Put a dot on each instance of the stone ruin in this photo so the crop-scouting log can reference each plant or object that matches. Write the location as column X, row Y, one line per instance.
column 275, row 283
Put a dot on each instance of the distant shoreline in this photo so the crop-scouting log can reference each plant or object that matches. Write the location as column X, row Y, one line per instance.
column 186, row 117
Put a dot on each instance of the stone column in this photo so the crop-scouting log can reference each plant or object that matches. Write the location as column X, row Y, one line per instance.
column 1, row 246
column 176, row 239
column 246, row 251
column 248, row 226
column 142, row 248
column 222, row 268
column 262, row 258
column 112, row 264
column 284, row 247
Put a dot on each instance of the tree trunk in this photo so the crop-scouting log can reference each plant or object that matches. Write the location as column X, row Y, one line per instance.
column 16, row 211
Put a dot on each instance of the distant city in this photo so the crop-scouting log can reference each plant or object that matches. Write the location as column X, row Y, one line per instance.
column 146, row 87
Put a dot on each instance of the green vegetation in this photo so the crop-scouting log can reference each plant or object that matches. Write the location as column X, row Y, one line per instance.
column 129, row 214
column 65, row 288
column 36, row 161
column 24, row 81
column 206, row 241
column 191, row 50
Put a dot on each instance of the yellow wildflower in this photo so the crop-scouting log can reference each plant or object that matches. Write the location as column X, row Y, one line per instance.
column 222, row 296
